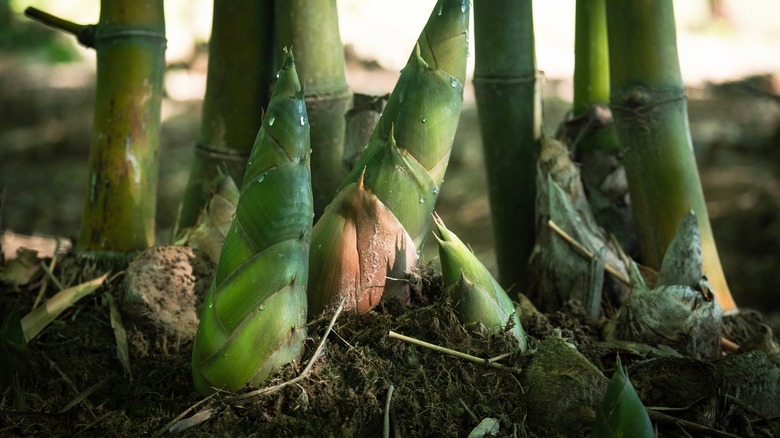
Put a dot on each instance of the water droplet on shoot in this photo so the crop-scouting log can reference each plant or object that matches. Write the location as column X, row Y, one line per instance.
column 424, row 119
column 303, row 122
column 271, row 120
column 435, row 190
column 463, row 6
column 441, row 8
column 454, row 83
column 422, row 201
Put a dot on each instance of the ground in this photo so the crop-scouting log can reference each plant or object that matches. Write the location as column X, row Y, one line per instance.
column 77, row 384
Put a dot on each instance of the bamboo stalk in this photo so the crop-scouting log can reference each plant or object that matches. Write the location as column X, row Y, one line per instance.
column 311, row 28
column 591, row 68
column 240, row 73
column 119, row 212
column 648, row 100
column 509, row 111
column 590, row 132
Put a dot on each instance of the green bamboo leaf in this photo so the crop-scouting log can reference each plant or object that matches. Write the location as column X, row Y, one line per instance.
column 479, row 299
column 621, row 412
column 254, row 318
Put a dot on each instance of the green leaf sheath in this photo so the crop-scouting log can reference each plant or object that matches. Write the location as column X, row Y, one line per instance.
column 478, row 297
column 651, row 118
column 311, row 28
column 254, row 318
column 420, row 120
column 621, row 413
column 508, row 104
column 119, row 211
column 240, row 73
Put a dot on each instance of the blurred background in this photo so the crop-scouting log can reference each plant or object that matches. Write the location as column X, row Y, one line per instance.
column 729, row 56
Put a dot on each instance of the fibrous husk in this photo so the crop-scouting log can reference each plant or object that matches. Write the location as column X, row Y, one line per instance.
column 562, row 274
column 209, row 231
column 361, row 252
column 680, row 312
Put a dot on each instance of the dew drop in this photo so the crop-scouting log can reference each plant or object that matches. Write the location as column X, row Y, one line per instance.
column 211, row 305
column 441, row 8
column 271, row 120
column 454, row 82
column 303, row 122
column 435, row 190
column 424, row 120
column 422, row 201
column 261, row 177
column 463, row 6
column 277, row 75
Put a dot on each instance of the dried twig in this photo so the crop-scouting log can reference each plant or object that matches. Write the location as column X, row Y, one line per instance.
column 688, row 425
column 258, row 392
column 386, row 425
column 450, row 352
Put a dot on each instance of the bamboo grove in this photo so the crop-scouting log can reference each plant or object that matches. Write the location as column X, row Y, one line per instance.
column 309, row 231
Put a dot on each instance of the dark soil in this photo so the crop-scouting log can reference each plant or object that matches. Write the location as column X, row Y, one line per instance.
column 75, row 384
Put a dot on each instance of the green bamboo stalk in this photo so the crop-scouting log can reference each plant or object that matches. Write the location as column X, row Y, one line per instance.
column 509, row 105
column 240, row 74
column 648, row 100
column 591, row 67
column 403, row 167
column 119, row 211
column 254, row 318
column 590, row 132
column 591, row 77
column 312, row 29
